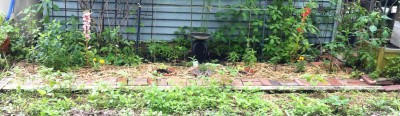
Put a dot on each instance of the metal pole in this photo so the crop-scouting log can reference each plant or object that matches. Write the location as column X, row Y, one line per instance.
column 138, row 26
column 263, row 31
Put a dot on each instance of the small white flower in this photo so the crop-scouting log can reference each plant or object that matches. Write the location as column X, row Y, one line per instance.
column 89, row 47
column 117, row 46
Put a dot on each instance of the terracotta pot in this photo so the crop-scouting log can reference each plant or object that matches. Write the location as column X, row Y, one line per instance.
column 5, row 46
column 248, row 71
column 149, row 81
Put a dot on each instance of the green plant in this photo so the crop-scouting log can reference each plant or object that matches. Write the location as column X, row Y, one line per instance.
column 314, row 79
column 233, row 71
column 58, row 49
column 203, row 67
column 338, row 103
column 371, row 28
column 232, row 37
column 5, row 29
column 300, row 64
column 115, row 49
column 166, row 51
column 307, row 106
column 392, row 69
column 356, row 74
column 24, row 37
column 233, row 57
column 249, row 57
column 3, row 62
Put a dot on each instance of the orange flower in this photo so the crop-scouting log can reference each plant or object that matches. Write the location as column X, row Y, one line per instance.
column 306, row 13
column 299, row 30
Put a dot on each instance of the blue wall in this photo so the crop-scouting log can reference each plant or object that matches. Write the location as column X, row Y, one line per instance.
column 161, row 18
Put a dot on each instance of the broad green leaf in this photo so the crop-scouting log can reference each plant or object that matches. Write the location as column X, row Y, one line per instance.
column 55, row 7
column 41, row 92
column 386, row 17
column 373, row 28
column 385, row 34
column 131, row 30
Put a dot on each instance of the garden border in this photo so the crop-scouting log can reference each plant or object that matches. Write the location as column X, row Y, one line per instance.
column 331, row 84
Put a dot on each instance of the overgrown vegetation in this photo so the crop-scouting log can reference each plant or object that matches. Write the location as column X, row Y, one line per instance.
column 195, row 100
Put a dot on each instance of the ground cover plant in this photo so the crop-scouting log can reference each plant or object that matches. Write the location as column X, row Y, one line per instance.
column 195, row 100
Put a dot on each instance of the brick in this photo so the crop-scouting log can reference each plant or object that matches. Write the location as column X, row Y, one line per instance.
column 343, row 82
column 122, row 81
column 324, row 83
column 392, row 88
column 384, row 81
column 250, row 80
column 368, row 80
column 354, row 82
column 275, row 83
column 300, row 83
column 303, row 82
column 288, row 83
column 306, row 83
column 150, row 81
column 265, row 82
column 252, row 83
column 138, row 82
column 162, row 82
column 334, row 81
column 237, row 82
column 177, row 82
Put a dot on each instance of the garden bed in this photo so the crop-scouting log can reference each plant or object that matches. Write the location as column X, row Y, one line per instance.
column 29, row 74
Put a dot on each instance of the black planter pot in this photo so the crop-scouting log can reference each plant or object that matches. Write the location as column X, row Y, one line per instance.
column 352, row 39
column 199, row 46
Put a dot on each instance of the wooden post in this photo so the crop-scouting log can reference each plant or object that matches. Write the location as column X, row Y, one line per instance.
column 381, row 54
